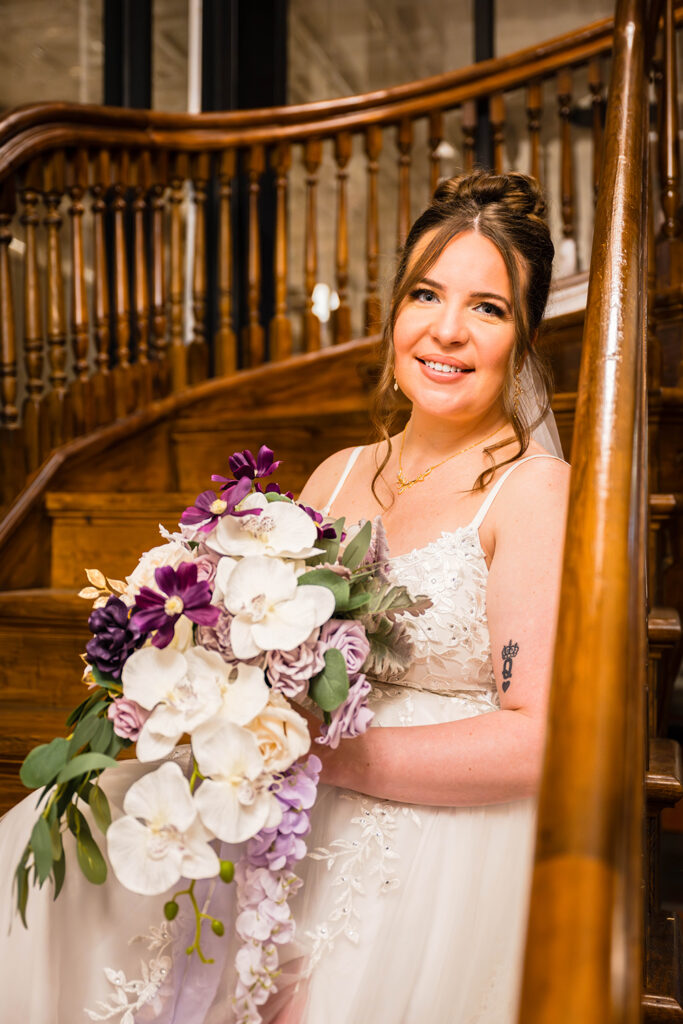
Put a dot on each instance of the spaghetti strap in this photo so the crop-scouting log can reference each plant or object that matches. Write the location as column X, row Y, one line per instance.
column 488, row 501
column 342, row 479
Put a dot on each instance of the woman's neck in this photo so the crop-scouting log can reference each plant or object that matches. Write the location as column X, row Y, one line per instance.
column 431, row 438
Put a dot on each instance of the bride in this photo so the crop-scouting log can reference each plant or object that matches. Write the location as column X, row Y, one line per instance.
column 416, row 882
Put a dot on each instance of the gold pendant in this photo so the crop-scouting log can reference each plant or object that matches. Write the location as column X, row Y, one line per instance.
column 404, row 484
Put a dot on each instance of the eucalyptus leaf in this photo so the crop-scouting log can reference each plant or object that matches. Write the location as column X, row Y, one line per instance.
column 105, row 681
column 354, row 602
column 102, row 737
column 357, row 549
column 58, row 873
column 326, row 578
column 76, row 713
column 43, row 763
column 83, row 764
column 330, row 687
column 83, row 733
column 274, row 496
column 56, row 839
column 21, row 881
column 90, row 859
column 41, row 844
column 99, row 805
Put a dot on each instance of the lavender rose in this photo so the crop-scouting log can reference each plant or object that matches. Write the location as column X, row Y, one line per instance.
column 351, row 719
column 128, row 717
column 350, row 638
column 290, row 671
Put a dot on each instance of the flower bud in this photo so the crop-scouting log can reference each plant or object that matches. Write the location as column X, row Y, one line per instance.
column 170, row 910
column 217, row 927
column 227, row 871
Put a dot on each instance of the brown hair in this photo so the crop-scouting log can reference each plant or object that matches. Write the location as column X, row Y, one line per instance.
column 509, row 210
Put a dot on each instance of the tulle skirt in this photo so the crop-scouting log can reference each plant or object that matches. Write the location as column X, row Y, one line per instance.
column 408, row 914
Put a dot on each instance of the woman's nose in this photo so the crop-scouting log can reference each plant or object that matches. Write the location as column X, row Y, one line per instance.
column 449, row 325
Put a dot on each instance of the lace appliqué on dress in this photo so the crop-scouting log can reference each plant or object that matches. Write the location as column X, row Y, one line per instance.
column 131, row 996
column 357, row 862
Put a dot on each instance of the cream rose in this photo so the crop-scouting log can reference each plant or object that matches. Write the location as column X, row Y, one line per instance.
column 142, row 575
column 281, row 733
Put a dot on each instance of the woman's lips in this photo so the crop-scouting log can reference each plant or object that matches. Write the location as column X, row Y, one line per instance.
column 454, row 375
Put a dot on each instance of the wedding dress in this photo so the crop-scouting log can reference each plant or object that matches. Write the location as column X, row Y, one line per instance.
column 408, row 914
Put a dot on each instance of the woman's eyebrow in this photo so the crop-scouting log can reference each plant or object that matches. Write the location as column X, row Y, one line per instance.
column 493, row 295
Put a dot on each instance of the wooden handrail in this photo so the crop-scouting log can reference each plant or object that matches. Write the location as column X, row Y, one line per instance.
column 583, row 960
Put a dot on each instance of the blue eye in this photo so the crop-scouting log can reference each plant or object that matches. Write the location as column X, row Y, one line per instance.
column 423, row 295
column 490, row 309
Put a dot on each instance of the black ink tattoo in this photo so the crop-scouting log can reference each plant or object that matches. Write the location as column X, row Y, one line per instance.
column 509, row 652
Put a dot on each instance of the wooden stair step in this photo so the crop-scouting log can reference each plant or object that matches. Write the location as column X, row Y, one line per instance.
column 663, row 506
column 664, row 626
column 664, row 778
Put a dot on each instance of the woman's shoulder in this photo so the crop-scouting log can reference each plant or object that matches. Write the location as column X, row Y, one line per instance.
column 537, row 489
column 324, row 478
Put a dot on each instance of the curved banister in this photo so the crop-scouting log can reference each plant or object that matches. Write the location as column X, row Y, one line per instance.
column 583, row 959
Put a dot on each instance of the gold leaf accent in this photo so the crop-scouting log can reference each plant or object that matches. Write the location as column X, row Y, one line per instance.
column 89, row 593
column 101, row 601
column 117, row 585
column 96, row 578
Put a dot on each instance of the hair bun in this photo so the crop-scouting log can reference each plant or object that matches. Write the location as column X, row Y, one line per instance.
column 516, row 192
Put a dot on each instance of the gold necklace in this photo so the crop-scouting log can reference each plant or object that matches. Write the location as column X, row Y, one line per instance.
column 404, row 484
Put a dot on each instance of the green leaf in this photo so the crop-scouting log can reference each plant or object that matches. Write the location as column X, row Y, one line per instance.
column 56, row 838
column 354, row 602
column 83, row 764
column 99, row 805
column 357, row 549
column 43, row 763
column 274, row 496
column 85, row 708
column 21, row 880
column 105, row 681
column 102, row 738
column 390, row 651
column 76, row 713
column 41, row 844
column 330, row 687
column 326, row 578
column 90, row 859
column 329, row 545
column 58, row 873
column 83, row 733
column 64, row 797
column 390, row 600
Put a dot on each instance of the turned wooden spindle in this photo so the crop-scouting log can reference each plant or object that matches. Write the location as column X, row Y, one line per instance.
column 124, row 395
column 373, row 305
column 341, row 317
column 225, row 341
column 404, row 143
column 534, row 108
column 159, row 317
column 82, row 409
column 253, row 335
column 469, row 133
column 564, row 102
column 280, row 330
column 435, row 140
column 199, row 350
column 178, row 355
column 311, row 324
column 103, row 384
column 596, row 86
column 669, row 162
column 143, row 367
column 9, row 413
column 497, row 118
column 35, row 439
column 58, row 406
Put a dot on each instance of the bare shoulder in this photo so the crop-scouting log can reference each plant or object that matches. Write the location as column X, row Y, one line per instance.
column 323, row 479
column 534, row 497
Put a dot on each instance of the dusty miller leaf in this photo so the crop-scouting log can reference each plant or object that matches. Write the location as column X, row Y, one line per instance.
column 390, row 651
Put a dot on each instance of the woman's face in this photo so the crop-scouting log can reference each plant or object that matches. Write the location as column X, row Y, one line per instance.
column 455, row 331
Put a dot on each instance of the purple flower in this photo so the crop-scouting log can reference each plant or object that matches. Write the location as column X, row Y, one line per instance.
column 115, row 637
column 325, row 530
column 245, row 467
column 279, row 848
column 290, row 671
column 128, row 717
column 349, row 637
column 272, row 488
column 208, row 508
column 181, row 594
column 351, row 719
column 378, row 551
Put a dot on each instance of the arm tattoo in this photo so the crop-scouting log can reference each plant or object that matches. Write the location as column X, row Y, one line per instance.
column 509, row 652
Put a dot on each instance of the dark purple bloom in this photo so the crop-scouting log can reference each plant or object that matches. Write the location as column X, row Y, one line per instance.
column 272, row 488
column 116, row 637
column 245, row 467
column 208, row 508
column 181, row 594
column 326, row 530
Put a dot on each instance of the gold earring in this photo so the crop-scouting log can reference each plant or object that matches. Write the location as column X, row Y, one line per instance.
column 518, row 392
column 395, row 384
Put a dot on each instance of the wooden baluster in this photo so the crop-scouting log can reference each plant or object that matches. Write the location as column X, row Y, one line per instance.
column 12, row 466
column 144, row 370
column 404, row 141
column 469, row 133
column 497, row 118
column 312, row 158
column 596, row 86
column 124, row 391
column 534, row 108
column 178, row 355
column 36, row 440
column 199, row 350
column 567, row 254
column 280, row 334
column 373, row 305
column 58, row 405
column 103, row 383
column 80, row 390
column 342, row 315
column 253, row 336
column 669, row 255
column 435, row 139
column 225, row 342
column 159, row 314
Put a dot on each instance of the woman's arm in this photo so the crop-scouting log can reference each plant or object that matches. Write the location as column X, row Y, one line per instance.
column 496, row 756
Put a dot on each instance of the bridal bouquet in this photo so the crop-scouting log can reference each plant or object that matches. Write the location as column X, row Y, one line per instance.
column 256, row 601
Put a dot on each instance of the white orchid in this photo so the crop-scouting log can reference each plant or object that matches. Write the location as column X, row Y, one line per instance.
column 234, row 800
column 244, row 692
column 270, row 611
column 282, row 529
column 160, row 837
column 182, row 690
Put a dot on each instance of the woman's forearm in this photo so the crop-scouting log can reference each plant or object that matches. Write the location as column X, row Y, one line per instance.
column 491, row 758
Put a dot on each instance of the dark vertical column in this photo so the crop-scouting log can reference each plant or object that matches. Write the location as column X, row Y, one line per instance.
column 244, row 65
column 128, row 53
column 483, row 15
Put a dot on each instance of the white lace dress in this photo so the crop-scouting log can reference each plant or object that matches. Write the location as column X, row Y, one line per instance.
column 408, row 915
